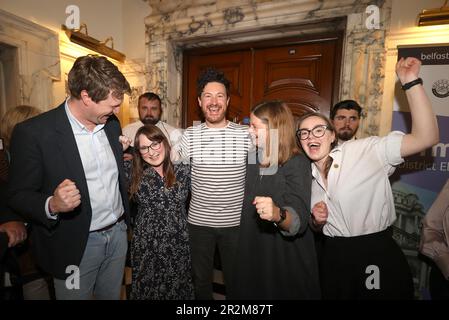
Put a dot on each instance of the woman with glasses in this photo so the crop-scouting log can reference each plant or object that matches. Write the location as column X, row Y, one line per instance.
column 160, row 254
column 352, row 202
column 276, row 256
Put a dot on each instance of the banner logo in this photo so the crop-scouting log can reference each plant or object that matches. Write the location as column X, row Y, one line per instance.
column 440, row 88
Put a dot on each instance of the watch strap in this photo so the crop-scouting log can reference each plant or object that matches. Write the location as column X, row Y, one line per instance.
column 410, row 84
column 282, row 216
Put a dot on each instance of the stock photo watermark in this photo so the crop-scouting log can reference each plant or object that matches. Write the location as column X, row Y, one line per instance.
column 372, row 21
column 372, row 282
column 73, row 19
column 262, row 146
column 72, row 281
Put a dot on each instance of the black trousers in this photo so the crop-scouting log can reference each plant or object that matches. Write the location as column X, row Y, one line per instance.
column 9, row 263
column 365, row 267
column 203, row 241
column 438, row 285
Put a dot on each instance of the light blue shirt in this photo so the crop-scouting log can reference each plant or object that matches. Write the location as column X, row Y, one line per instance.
column 101, row 172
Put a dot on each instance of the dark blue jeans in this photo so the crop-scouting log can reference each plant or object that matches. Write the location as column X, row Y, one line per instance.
column 202, row 245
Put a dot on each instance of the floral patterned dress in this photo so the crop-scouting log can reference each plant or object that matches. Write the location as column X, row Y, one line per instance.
column 160, row 252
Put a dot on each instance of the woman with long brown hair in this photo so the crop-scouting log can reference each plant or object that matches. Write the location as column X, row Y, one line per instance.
column 160, row 253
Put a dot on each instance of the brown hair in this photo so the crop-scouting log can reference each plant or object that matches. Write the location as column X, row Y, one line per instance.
column 14, row 116
column 277, row 116
column 330, row 127
column 154, row 134
column 98, row 76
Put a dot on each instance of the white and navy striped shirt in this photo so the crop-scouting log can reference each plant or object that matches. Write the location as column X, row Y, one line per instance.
column 218, row 166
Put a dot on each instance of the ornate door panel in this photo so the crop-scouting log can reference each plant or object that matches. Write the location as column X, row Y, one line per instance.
column 302, row 73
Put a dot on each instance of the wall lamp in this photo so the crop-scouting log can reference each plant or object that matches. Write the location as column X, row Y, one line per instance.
column 83, row 39
column 432, row 17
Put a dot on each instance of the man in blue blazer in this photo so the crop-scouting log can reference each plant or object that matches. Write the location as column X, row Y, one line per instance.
column 67, row 179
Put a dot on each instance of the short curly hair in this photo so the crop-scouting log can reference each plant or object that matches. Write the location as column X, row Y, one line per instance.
column 212, row 75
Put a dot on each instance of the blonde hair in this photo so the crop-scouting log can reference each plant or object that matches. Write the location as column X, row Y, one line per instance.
column 14, row 116
column 278, row 118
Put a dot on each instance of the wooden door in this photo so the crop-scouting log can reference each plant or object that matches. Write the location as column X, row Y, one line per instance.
column 303, row 73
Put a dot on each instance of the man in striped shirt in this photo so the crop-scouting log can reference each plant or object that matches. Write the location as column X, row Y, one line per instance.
column 217, row 151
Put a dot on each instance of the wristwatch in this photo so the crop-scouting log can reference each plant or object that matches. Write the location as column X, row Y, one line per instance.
column 282, row 215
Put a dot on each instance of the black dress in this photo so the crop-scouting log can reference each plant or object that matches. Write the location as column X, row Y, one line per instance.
column 270, row 265
column 160, row 252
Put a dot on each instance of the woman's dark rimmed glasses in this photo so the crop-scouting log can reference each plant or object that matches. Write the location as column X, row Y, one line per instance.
column 154, row 146
column 317, row 132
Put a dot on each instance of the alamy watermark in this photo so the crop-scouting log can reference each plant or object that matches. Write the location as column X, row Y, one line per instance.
column 372, row 21
column 229, row 148
column 72, row 282
column 73, row 19
column 372, row 282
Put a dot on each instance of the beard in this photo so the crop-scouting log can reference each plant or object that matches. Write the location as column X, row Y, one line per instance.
column 215, row 117
column 346, row 135
column 150, row 120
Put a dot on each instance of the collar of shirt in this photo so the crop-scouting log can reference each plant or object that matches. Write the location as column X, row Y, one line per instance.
column 340, row 142
column 228, row 124
column 335, row 154
column 77, row 126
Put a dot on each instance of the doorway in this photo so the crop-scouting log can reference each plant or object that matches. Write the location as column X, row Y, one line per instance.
column 9, row 74
column 303, row 72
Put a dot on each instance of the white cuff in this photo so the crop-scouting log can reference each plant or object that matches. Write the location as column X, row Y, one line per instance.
column 52, row 216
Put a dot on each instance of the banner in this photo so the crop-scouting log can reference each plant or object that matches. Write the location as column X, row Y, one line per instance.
column 417, row 182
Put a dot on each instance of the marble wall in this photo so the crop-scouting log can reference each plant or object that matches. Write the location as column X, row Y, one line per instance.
column 175, row 26
column 30, row 31
column 37, row 58
column 35, row 61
